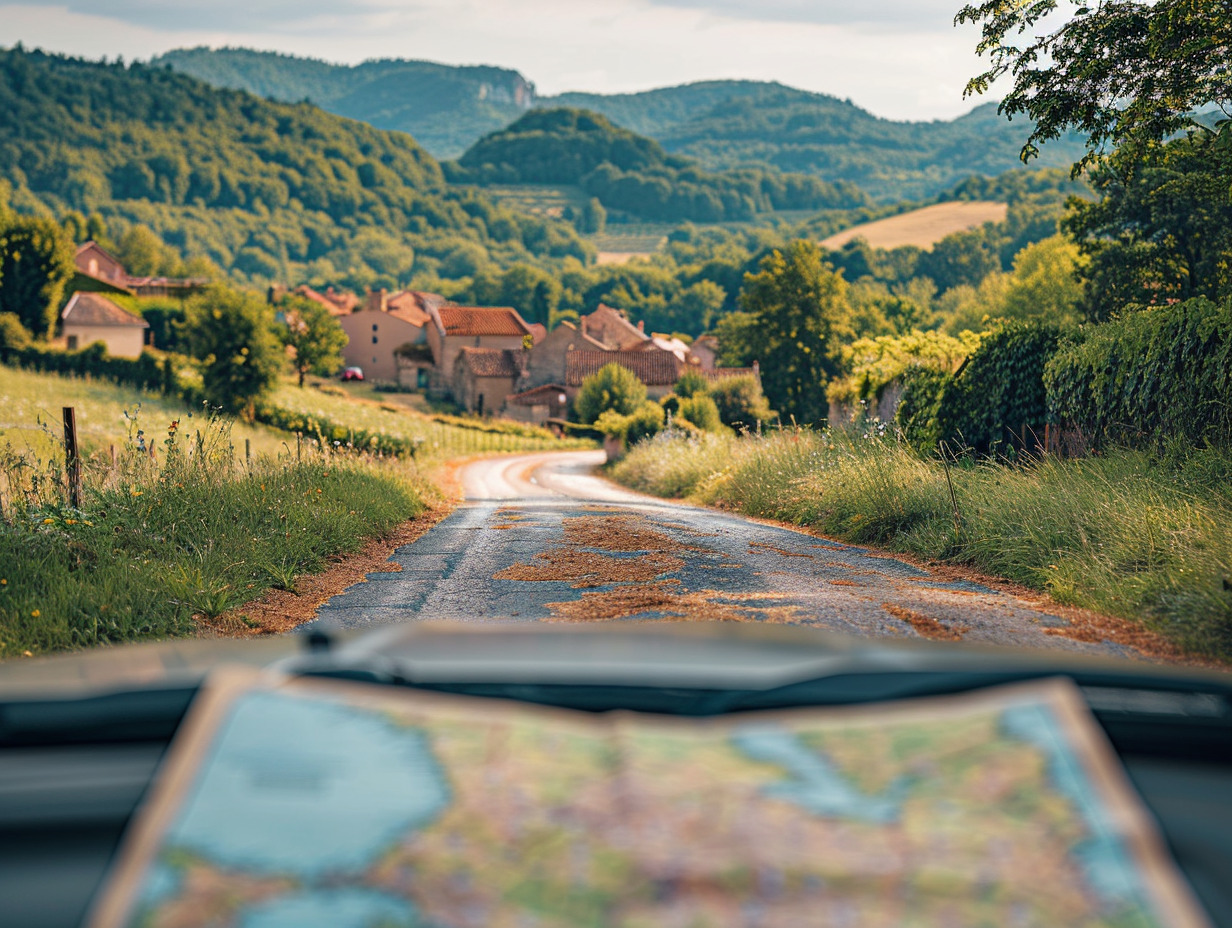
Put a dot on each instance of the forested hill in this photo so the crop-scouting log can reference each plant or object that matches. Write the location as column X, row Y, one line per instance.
column 444, row 107
column 728, row 123
column 633, row 174
column 720, row 123
column 266, row 190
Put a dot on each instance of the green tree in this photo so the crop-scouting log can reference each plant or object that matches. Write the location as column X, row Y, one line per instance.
column 1162, row 228
column 691, row 383
column 1126, row 72
column 741, row 402
column 795, row 319
column 144, row 254
column 313, row 334
column 36, row 261
column 1044, row 283
column 611, row 387
column 594, row 216
column 232, row 334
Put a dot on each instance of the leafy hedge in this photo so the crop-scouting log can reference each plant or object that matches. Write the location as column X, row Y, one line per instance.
column 989, row 402
column 150, row 371
column 1150, row 375
column 329, row 432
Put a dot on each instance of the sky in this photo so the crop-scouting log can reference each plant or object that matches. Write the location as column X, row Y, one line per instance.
column 901, row 59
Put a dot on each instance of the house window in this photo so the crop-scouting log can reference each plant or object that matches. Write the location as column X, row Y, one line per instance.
column 374, row 327
column 374, row 339
column 421, row 378
column 72, row 343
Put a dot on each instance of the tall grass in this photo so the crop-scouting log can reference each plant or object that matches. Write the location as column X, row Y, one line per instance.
column 193, row 531
column 1145, row 536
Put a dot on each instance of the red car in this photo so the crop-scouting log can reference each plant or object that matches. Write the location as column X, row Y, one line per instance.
column 353, row 373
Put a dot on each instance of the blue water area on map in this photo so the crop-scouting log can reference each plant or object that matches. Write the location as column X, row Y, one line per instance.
column 818, row 786
column 1103, row 857
column 307, row 786
column 331, row 908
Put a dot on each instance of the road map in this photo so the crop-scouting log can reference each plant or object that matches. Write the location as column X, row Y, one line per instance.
column 295, row 804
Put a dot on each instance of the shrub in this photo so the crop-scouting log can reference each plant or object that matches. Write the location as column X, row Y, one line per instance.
column 150, row 371
column 916, row 414
column 741, row 402
column 1151, row 375
column 996, row 397
column 612, row 387
column 701, row 411
column 691, row 383
column 12, row 333
column 644, row 422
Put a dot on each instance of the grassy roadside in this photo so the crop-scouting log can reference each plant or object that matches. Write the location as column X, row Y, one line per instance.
column 1146, row 537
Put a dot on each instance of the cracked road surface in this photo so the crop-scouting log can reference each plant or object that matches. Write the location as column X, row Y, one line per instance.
column 541, row 538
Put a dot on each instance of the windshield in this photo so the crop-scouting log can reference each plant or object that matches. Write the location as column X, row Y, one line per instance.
column 683, row 358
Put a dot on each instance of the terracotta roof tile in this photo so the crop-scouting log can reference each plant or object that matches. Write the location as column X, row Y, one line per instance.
column 94, row 309
column 722, row 373
column 490, row 362
column 482, row 320
column 653, row 368
column 546, row 395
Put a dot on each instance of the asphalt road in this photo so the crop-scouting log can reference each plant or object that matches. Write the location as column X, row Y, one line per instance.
column 541, row 538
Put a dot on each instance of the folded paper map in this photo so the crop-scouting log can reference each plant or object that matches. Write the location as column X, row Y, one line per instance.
column 304, row 803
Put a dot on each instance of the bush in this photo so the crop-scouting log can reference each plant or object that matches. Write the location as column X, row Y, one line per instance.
column 990, row 402
column 149, row 371
column 691, row 383
column 741, row 402
column 12, row 333
column 701, row 411
column 612, row 387
column 1151, row 375
column 644, row 422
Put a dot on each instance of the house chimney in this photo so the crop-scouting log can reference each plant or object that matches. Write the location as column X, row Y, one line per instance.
column 641, row 325
column 378, row 300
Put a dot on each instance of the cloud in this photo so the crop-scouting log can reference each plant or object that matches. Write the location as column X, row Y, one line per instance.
column 883, row 15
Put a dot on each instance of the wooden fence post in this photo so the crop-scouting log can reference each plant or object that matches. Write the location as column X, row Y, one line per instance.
column 72, row 461
column 247, row 451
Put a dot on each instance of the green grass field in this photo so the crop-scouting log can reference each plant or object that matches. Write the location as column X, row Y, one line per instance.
column 391, row 416
column 1143, row 536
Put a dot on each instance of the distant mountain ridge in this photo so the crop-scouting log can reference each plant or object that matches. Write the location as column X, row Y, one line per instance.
column 445, row 107
column 721, row 124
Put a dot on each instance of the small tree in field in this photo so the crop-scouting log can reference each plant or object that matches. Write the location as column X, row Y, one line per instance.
column 691, row 383
column 612, row 387
column 314, row 334
column 232, row 334
column 36, row 261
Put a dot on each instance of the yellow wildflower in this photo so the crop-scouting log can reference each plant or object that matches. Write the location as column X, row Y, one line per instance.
column 35, row 614
column 70, row 521
column 48, row 521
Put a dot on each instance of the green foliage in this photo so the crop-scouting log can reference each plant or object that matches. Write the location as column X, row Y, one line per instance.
column 701, row 411
column 874, row 363
column 1162, row 228
column 313, row 334
column 36, row 261
column 645, row 421
column 996, row 400
column 611, row 387
column 1119, row 72
column 795, row 318
column 916, row 413
column 594, row 217
column 728, row 123
column 12, row 333
column 232, row 334
column 149, row 371
column 633, row 174
column 1000, row 395
column 1148, row 377
column 691, row 383
column 741, row 402
column 264, row 190
column 444, row 107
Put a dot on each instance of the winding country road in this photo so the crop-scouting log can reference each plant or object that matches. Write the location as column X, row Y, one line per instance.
column 541, row 538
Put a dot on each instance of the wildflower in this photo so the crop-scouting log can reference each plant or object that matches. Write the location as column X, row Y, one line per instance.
column 70, row 521
column 86, row 522
column 3, row 582
column 35, row 614
column 48, row 521
column 133, row 491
